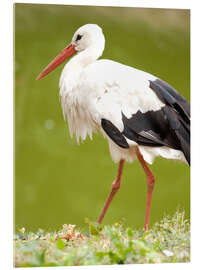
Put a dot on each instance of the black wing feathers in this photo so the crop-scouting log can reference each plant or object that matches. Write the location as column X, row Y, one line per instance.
column 180, row 129
column 171, row 97
column 146, row 128
column 114, row 133
column 175, row 94
column 149, row 129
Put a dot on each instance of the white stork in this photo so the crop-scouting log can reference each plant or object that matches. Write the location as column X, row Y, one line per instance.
column 140, row 115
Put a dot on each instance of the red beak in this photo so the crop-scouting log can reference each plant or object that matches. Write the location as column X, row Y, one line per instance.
column 60, row 58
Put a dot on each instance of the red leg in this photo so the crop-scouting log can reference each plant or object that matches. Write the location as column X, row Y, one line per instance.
column 115, row 186
column 150, row 185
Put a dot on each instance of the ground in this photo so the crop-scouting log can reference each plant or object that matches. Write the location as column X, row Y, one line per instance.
column 166, row 241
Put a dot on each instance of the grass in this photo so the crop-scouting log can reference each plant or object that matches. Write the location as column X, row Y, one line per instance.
column 167, row 241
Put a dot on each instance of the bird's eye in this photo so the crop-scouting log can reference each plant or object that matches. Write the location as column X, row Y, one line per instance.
column 78, row 37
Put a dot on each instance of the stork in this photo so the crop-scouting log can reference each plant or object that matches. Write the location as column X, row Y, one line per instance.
column 140, row 115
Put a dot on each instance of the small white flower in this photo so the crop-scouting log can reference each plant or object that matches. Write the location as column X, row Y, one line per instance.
column 22, row 230
column 168, row 253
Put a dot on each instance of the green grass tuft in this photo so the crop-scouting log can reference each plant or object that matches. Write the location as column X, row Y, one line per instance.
column 166, row 241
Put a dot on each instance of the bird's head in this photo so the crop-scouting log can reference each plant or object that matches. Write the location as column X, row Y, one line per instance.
column 87, row 37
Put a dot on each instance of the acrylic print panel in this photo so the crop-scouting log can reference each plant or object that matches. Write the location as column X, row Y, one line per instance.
column 60, row 187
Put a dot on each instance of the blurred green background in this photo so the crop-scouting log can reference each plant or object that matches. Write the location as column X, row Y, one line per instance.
column 57, row 181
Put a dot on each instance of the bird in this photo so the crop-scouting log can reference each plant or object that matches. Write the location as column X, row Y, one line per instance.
column 139, row 114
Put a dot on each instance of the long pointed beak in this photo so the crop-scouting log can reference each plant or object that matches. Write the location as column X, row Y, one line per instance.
column 60, row 58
